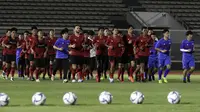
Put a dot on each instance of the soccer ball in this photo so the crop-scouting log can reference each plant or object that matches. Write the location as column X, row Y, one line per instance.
column 69, row 98
column 174, row 97
column 4, row 99
column 105, row 97
column 38, row 98
column 137, row 97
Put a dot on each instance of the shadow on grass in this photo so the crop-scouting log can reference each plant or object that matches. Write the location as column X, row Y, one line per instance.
column 186, row 103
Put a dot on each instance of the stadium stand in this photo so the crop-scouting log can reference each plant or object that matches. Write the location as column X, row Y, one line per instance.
column 186, row 10
column 60, row 13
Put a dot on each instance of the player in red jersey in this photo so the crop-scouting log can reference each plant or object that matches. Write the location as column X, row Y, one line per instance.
column 115, row 44
column 87, row 45
column 76, row 50
column 31, row 40
column 8, row 33
column 99, row 43
column 10, row 44
column 40, row 49
column 50, row 41
column 143, row 43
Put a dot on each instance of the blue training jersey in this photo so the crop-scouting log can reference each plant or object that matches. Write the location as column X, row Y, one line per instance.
column 62, row 43
column 18, row 52
column 153, row 52
column 186, row 45
column 164, row 45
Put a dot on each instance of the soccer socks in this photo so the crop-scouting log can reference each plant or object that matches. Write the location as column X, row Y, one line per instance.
column 12, row 71
column 160, row 74
column 166, row 72
column 73, row 72
column 37, row 71
column 31, row 71
column 119, row 73
column 60, row 70
column 122, row 75
column 51, row 69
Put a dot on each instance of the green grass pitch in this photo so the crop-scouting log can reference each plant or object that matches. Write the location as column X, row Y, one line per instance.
column 21, row 91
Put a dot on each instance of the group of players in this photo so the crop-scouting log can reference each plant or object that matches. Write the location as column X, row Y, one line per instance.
column 78, row 54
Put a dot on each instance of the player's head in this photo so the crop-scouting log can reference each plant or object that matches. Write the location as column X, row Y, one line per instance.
column 166, row 33
column 91, row 33
column 130, row 29
column 77, row 29
column 40, row 33
column 115, row 31
column 34, row 30
column 144, row 30
column 85, row 33
column 51, row 33
column 106, row 31
column 153, row 36
column 120, row 33
column 100, row 31
column 64, row 33
column 20, row 36
column 189, row 35
column 26, row 34
column 150, row 31
column 8, row 32
column 13, row 32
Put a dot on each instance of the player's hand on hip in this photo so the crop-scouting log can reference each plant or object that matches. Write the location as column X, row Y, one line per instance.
column 164, row 51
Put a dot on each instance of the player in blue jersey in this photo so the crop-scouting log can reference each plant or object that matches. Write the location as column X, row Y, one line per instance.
column 153, row 59
column 188, row 62
column 163, row 47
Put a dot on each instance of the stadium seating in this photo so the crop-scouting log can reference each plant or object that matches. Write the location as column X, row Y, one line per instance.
column 60, row 13
column 185, row 10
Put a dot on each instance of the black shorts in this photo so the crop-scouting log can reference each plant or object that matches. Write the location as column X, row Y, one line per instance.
column 78, row 60
column 86, row 60
column 144, row 59
column 125, row 59
column 115, row 59
column 40, row 62
column 46, row 61
column 31, row 57
column 137, row 61
column 21, row 61
column 93, row 63
column 27, row 62
column 3, row 57
column 10, row 58
column 52, row 57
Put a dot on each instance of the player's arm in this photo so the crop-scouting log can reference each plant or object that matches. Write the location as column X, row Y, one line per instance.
column 157, row 47
column 55, row 46
column 32, row 47
column 5, row 43
column 182, row 49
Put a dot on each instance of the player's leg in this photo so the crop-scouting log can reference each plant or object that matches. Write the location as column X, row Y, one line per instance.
column 8, row 65
column 37, row 69
column 65, row 67
column 74, row 67
column 79, row 62
column 27, row 64
column 167, row 70
column 57, row 66
column 31, row 68
column 51, row 60
column 185, row 69
column 150, row 68
column 105, row 66
column 22, row 66
column 99, row 65
column 3, row 66
column 119, row 63
column 142, row 68
column 160, row 69
column 137, row 70
column 191, row 70
column 131, row 68
column 18, row 65
column 112, row 68
column 92, row 66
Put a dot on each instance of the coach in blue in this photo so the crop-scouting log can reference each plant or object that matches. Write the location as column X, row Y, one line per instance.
column 163, row 47
column 62, row 54
column 188, row 62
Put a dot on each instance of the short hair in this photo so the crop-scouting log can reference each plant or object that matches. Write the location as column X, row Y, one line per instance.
column 64, row 31
column 153, row 33
column 150, row 28
column 90, row 32
column 165, row 30
column 13, row 29
column 39, row 30
column 130, row 26
column 85, row 31
column 8, row 30
column 189, row 33
column 34, row 27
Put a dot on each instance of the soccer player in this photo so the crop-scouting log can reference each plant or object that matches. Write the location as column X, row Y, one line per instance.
column 76, row 50
column 62, row 54
column 153, row 59
column 92, row 57
column 99, row 43
column 163, row 47
column 115, row 44
column 40, row 49
column 10, row 44
column 87, row 45
column 31, row 40
column 25, row 48
column 188, row 61
column 8, row 33
column 130, row 38
column 143, row 43
column 51, row 51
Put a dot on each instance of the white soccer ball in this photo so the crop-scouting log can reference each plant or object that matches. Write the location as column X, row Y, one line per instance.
column 38, row 98
column 4, row 99
column 105, row 97
column 69, row 98
column 137, row 97
column 174, row 97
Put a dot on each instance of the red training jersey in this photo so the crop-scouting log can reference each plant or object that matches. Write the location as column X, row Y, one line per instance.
column 1, row 40
column 50, row 43
column 78, row 41
column 87, row 46
column 13, row 45
column 39, row 48
column 130, row 43
column 99, row 43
